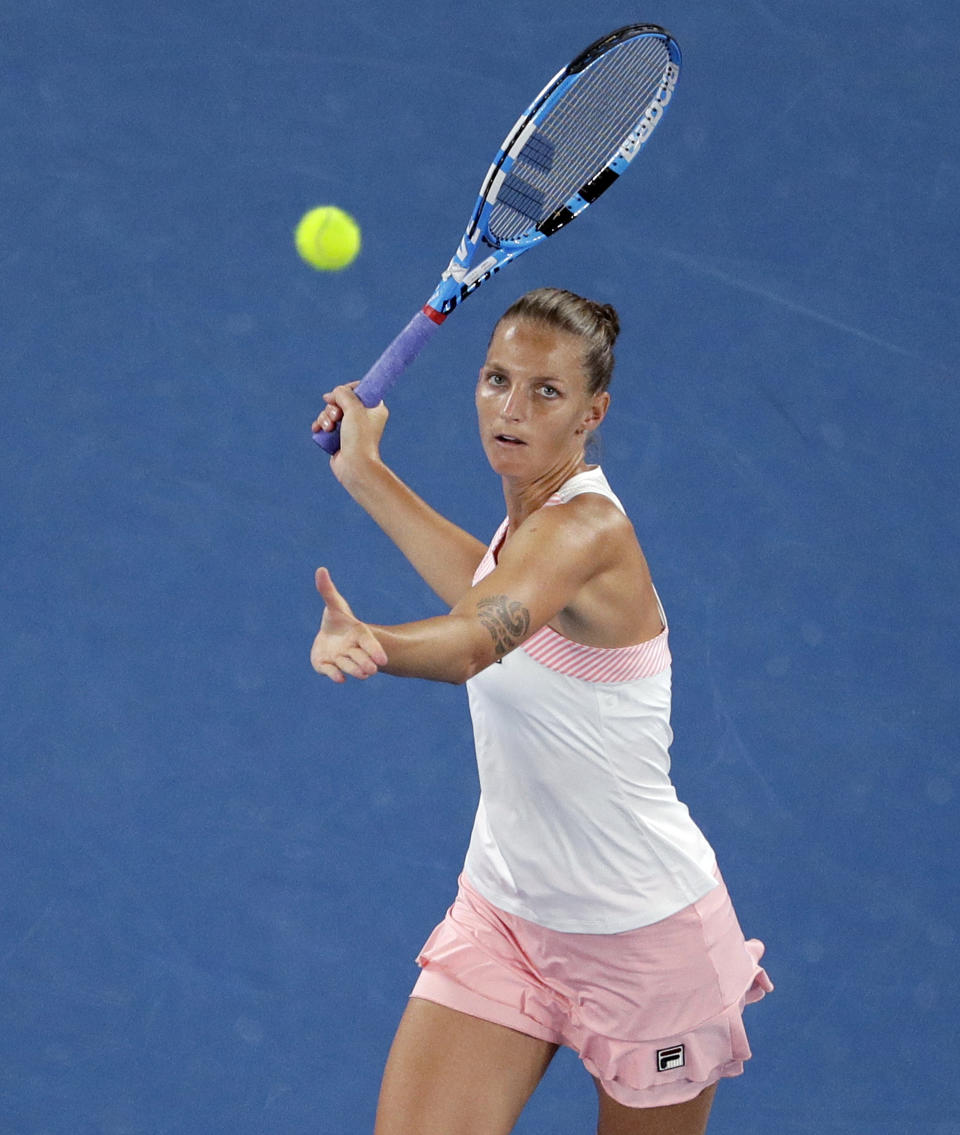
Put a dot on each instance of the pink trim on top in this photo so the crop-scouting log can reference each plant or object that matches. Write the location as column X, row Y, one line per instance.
column 598, row 663
column 489, row 561
column 589, row 663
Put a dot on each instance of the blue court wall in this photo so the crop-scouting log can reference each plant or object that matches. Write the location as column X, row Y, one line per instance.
column 216, row 869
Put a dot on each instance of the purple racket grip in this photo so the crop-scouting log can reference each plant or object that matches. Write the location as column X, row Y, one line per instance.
column 386, row 370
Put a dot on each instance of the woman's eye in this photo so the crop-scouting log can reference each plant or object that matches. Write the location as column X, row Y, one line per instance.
column 496, row 379
column 549, row 391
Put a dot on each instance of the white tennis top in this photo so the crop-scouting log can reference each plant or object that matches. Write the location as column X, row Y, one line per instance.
column 579, row 828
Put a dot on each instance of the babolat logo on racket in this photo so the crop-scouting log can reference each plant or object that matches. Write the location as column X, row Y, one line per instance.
column 668, row 1058
column 653, row 112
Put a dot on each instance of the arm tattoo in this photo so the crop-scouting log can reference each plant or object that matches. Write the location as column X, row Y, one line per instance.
column 507, row 622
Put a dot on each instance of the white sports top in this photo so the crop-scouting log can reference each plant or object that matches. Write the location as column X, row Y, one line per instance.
column 579, row 828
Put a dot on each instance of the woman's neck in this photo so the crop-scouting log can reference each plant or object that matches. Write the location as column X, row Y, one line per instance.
column 524, row 498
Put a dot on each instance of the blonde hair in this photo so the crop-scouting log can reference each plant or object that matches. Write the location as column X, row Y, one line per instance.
column 597, row 324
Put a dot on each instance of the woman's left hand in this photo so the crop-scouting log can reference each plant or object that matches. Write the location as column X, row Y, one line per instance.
column 344, row 647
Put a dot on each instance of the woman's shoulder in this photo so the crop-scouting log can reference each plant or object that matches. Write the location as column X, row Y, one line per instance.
column 587, row 522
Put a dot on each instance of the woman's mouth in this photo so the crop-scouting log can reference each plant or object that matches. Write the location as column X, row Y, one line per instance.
column 508, row 439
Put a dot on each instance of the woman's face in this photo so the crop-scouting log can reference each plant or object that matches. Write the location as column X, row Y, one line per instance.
column 534, row 410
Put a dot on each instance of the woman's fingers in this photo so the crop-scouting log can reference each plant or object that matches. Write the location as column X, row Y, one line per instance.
column 343, row 402
column 357, row 663
column 328, row 417
column 329, row 671
column 353, row 662
column 370, row 645
column 329, row 593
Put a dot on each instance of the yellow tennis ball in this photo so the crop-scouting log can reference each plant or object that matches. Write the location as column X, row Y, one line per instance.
column 328, row 238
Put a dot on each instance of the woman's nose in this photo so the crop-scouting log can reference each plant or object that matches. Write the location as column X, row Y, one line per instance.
column 513, row 405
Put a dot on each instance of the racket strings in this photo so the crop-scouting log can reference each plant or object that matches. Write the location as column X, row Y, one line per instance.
column 580, row 134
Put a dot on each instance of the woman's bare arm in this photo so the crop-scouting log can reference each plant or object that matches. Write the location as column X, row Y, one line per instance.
column 443, row 554
column 542, row 569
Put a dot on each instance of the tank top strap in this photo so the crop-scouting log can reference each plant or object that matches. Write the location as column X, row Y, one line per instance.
column 589, row 481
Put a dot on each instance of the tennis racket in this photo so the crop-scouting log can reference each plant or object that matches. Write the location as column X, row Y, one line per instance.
column 576, row 138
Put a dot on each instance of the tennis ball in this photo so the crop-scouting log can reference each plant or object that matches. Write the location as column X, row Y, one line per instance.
column 328, row 238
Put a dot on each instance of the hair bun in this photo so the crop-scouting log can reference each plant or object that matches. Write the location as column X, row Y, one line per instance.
column 607, row 314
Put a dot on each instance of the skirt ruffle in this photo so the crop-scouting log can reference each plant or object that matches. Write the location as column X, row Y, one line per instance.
column 701, row 1055
column 643, row 1052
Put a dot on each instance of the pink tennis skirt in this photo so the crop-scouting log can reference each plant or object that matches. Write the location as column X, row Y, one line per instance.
column 653, row 1013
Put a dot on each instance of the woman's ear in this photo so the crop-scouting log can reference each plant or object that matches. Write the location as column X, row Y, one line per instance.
column 597, row 412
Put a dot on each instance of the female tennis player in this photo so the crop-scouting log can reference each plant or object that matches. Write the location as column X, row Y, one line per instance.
column 590, row 911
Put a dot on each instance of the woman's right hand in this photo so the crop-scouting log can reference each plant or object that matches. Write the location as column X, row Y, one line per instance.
column 360, row 430
column 344, row 646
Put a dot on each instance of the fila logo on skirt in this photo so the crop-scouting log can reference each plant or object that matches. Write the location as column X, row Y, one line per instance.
column 668, row 1058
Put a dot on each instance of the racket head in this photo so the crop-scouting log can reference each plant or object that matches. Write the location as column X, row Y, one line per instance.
column 569, row 146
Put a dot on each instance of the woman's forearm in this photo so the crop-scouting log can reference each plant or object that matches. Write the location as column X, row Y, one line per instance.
column 448, row 648
column 444, row 555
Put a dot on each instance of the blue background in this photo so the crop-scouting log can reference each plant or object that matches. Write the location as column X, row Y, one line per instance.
column 216, row 869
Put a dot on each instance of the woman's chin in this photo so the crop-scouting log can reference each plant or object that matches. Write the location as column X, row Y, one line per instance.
column 507, row 457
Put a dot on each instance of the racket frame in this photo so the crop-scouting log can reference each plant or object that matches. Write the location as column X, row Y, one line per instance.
column 465, row 273
column 479, row 254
